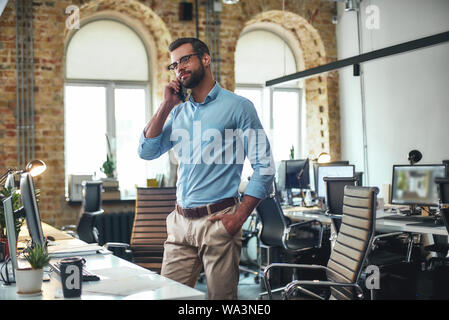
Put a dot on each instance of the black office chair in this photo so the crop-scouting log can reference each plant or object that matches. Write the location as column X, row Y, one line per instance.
column 359, row 176
column 278, row 231
column 439, row 265
column 354, row 249
column 91, row 208
column 335, row 187
column 441, row 248
column 348, row 255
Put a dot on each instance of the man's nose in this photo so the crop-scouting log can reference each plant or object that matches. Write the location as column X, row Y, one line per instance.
column 180, row 69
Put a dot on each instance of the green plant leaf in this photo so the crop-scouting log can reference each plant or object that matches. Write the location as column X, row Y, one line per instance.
column 37, row 256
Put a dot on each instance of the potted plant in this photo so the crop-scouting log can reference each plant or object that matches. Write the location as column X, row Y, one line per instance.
column 108, row 167
column 29, row 280
column 4, row 193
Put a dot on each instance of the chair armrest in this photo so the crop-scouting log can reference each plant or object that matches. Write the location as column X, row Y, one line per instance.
column 95, row 213
column 116, row 245
column 393, row 234
column 68, row 227
column 329, row 214
column 302, row 223
column 385, row 235
column 318, row 283
column 293, row 265
column 120, row 249
column 287, row 265
column 287, row 231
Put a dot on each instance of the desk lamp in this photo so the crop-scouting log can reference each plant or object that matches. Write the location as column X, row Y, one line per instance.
column 324, row 158
column 34, row 167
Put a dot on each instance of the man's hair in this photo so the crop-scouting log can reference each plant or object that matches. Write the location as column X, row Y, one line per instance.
column 199, row 47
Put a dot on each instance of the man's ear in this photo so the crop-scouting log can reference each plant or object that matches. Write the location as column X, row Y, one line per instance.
column 206, row 60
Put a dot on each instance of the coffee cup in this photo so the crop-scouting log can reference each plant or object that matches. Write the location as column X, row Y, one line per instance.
column 71, row 272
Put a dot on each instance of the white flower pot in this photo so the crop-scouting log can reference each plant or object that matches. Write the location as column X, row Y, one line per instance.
column 29, row 281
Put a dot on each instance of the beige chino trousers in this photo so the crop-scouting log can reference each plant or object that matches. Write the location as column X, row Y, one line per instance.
column 193, row 243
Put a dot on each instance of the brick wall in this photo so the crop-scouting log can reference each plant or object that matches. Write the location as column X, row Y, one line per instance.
column 309, row 21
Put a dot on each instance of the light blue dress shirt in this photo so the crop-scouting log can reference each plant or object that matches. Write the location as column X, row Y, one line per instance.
column 211, row 140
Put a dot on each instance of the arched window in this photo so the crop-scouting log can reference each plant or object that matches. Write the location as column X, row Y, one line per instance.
column 260, row 56
column 106, row 95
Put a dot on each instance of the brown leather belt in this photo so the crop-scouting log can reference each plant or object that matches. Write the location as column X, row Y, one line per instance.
column 199, row 212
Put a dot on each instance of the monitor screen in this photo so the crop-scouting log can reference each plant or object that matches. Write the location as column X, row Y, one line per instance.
column 415, row 185
column 314, row 171
column 294, row 174
column 10, row 229
column 331, row 171
column 33, row 218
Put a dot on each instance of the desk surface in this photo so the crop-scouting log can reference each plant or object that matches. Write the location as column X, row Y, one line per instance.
column 120, row 279
column 47, row 230
column 383, row 222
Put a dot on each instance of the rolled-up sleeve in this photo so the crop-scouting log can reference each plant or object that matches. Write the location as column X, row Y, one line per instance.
column 257, row 149
column 153, row 148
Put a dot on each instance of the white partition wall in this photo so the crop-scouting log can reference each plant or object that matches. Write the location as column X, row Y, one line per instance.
column 406, row 96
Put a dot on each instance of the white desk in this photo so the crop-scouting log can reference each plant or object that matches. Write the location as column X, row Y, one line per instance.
column 383, row 224
column 120, row 279
column 410, row 226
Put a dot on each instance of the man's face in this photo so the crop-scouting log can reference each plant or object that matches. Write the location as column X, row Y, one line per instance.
column 190, row 73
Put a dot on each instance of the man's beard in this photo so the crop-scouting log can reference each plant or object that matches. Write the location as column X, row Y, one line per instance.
column 195, row 78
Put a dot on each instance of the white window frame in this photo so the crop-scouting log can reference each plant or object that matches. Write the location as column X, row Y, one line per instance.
column 110, row 86
column 300, row 147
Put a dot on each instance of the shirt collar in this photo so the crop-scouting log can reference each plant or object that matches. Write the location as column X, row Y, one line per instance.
column 210, row 97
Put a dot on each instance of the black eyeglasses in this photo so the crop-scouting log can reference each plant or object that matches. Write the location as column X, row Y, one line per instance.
column 182, row 61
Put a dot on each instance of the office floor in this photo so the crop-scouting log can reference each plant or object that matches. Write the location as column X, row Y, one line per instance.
column 248, row 289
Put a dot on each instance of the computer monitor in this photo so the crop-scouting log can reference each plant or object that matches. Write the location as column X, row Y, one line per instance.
column 33, row 218
column 10, row 230
column 294, row 174
column 415, row 184
column 446, row 163
column 331, row 171
column 315, row 171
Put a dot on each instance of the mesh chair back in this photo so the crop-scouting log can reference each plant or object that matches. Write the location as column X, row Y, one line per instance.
column 354, row 239
column 273, row 222
column 149, row 233
column 443, row 189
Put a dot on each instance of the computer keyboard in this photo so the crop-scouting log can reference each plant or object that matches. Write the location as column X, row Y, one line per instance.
column 87, row 275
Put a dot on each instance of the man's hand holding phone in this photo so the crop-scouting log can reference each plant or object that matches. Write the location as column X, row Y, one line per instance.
column 173, row 93
column 172, row 97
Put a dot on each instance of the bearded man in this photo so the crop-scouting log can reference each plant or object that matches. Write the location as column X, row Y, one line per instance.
column 211, row 133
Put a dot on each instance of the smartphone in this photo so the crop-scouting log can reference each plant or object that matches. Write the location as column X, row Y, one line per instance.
column 182, row 93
